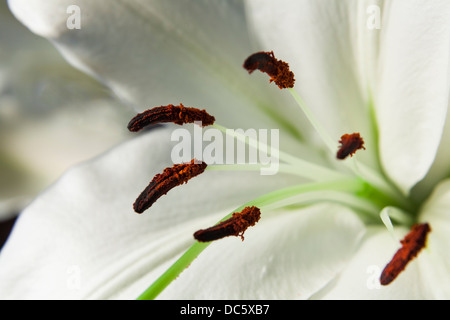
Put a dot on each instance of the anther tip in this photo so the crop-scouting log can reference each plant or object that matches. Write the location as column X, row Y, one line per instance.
column 277, row 70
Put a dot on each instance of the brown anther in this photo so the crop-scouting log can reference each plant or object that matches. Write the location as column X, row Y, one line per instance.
column 350, row 143
column 234, row 226
column 176, row 114
column 413, row 242
column 164, row 182
column 277, row 70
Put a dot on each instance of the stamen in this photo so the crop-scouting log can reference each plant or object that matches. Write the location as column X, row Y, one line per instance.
column 350, row 143
column 277, row 70
column 234, row 226
column 169, row 179
column 306, row 169
column 176, row 114
column 414, row 241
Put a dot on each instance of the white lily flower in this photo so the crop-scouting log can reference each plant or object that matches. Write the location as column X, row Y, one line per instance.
column 329, row 238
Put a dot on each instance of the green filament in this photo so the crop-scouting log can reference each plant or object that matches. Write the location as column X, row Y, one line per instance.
column 354, row 189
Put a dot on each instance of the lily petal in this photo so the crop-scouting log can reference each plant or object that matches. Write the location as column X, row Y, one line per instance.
column 413, row 87
column 81, row 238
column 287, row 255
column 435, row 266
column 52, row 116
column 154, row 53
column 440, row 168
column 321, row 40
column 348, row 72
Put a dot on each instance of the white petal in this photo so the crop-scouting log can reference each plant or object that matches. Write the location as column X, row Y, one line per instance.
column 159, row 52
column 287, row 255
column 413, row 87
column 436, row 212
column 52, row 116
column 339, row 63
column 81, row 238
column 325, row 43
column 440, row 168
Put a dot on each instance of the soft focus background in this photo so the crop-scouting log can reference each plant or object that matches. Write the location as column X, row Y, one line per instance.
column 51, row 117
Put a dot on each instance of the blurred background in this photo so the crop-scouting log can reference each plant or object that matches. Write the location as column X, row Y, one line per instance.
column 52, row 117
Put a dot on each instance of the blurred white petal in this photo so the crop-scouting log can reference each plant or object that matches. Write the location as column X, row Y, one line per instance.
column 52, row 116
column 154, row 53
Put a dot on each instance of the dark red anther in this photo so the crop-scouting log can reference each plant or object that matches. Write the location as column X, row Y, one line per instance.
column 277, row 70
column 234, row 226
column 414, row 241
column 176, row 114
column 164, row 182
column 350, row 143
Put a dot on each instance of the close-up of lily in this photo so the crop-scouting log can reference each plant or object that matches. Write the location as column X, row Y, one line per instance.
column 358, row 208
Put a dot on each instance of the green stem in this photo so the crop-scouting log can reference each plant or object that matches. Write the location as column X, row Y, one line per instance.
column 344, row 185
